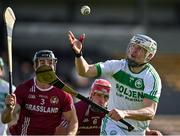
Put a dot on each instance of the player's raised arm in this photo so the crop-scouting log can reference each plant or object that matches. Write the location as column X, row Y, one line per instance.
column 83, row 68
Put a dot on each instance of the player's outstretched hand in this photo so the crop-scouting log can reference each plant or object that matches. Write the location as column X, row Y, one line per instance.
column 10, row 101
column 76, row 44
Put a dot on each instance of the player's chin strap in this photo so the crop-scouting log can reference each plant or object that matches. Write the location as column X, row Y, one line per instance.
column 133, row 64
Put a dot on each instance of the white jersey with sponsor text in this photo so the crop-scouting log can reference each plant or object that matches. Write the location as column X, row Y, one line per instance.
column 129, row 89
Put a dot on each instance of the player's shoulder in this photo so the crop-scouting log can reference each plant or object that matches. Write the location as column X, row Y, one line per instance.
column 151, row 69
column 152, row 73
column 81, row 105
column 26, row 84
column 116, row 61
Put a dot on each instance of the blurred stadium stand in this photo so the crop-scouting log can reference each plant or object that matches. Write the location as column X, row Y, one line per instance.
column 169, row 68
column 44, row 24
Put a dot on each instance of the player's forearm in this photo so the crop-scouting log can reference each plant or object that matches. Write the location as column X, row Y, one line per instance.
column 84, row 69
column 81, row 66
column 7, row 115
column 72, row 128
column 141, row 114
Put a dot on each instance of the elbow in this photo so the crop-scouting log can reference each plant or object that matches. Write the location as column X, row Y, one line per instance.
column 82, row 74
column 150, row 117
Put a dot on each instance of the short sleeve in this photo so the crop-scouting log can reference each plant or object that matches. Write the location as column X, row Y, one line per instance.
column 153, row 87
column 68, row 103
column 109, row 67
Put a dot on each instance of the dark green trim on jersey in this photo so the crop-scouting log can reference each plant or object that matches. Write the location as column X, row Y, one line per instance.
column 154, row 98
column 145, row 66
column 128, row 80
column 99, row 72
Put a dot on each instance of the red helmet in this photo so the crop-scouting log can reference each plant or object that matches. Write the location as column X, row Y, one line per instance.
column 101, row 86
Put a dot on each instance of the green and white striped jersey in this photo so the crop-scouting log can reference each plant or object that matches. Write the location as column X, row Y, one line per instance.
column 128, row 88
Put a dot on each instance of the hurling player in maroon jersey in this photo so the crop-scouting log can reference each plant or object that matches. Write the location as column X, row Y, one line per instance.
column 40, row 105
column 89, row 117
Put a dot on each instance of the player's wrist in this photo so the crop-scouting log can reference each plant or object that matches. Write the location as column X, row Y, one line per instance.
column 126, row 114
column 78, row 55
column 80, row 39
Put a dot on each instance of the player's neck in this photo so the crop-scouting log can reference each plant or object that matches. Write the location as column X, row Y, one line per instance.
column 42, row 85
column 137, row 69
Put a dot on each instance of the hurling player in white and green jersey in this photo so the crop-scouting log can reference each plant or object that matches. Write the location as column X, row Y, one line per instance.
column 136, row 86
column 4, row 90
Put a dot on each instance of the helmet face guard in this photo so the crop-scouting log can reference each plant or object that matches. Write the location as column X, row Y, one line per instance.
column 44, row 54
column 145, row 42
column 100, row 86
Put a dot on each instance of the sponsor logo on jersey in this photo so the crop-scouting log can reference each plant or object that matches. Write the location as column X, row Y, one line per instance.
column 129, row 80
column 43, row 96
column 43, row 109
column 31, row 96
column 54, row 100
column 94, row 121
column 32, row 89
column 138, row 83
column 129, row 94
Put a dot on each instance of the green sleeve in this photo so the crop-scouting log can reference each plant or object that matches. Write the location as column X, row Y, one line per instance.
column 99, row 72
column 153, row 98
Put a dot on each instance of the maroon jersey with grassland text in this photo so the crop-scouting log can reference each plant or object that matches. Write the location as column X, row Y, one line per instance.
column 41, row 110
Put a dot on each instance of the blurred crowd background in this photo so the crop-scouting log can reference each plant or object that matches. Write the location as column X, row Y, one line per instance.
column 44, row 24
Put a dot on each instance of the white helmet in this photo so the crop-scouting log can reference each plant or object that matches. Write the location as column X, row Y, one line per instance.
column 146, row 42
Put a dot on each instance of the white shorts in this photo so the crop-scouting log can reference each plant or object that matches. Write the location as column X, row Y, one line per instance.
column 110, row 127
